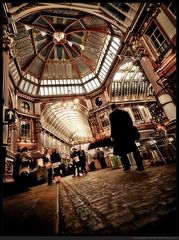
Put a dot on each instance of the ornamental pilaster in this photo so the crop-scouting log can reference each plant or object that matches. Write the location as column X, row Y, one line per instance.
column 38, row 130
column 13, row 137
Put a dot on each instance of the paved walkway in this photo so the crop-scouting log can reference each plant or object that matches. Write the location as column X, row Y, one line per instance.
column 112, row 202
column 103, row 202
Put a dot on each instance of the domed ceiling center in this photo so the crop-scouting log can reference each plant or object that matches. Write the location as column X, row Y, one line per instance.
column 59, row 37
column 64, row 52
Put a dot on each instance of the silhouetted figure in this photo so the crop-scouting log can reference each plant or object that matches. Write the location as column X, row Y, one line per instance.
column 56, row 162
column 122, row 137
column 82, row 157
column 101, row 158
column 76, row 162
column 24, row 171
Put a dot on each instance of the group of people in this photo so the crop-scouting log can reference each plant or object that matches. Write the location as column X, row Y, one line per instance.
column 99, row 154
column 122, row 137
column 53, row 164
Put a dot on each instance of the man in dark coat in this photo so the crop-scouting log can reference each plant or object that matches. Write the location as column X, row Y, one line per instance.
column 82, row 157
column 121, row 135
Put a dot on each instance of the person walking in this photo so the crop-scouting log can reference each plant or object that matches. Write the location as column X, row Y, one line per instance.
column 82, row 157
column 48, row 165
column 123, row 138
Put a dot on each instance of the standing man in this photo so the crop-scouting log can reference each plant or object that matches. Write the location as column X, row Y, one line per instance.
column 82, row 157
column 122, row 138
column 76, row 162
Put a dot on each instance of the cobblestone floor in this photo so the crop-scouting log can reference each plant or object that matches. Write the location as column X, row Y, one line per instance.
column 112, row 202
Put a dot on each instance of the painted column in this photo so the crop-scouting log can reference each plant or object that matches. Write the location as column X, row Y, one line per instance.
column 38, row 127
column 165, row 99
column 13, row 137
column 38, row 130
column 7, row 44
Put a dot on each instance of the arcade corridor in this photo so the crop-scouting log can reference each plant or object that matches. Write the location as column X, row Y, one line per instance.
column 65, row 65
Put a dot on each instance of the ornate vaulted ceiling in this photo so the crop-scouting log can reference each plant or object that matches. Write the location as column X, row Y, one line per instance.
column 66, row 49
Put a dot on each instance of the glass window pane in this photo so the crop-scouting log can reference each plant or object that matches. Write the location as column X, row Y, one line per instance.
column 54, row 90
column 46, row 91
column 58, row 90
column 35, row 90
column 41, row 91
column 26, row 86
column 115, row 45
column 62, row 90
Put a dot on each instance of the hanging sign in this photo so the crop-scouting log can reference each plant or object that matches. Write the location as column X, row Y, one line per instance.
column 10, row 115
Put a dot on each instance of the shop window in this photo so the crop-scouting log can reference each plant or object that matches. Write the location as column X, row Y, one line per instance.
column 157, row 39
column 25, row 129
column 25, row 107
column 104, row 120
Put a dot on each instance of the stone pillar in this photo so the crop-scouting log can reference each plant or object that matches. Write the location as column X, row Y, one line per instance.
column 13, row 137
column 7, row 44
column 38, row 130
column 38, row 127
column 165, row 99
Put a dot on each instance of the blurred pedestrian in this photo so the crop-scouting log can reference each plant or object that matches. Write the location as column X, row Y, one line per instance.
column 24, row 170
column 101, row 158
column 90, row 161
column 48, row 164
column 76, row 162
column 56, row 162
column 123, row 137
